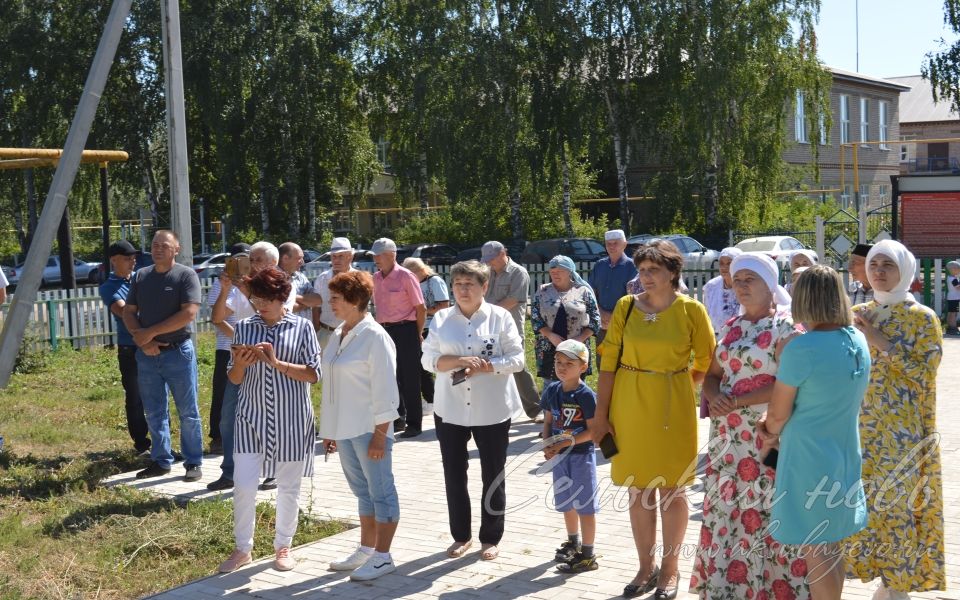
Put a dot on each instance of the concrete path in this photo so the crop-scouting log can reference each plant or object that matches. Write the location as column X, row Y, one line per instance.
column 525, row 568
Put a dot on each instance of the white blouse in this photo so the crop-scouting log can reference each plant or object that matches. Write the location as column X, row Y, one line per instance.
column 721, row 302
column 484, row 398
column 359, row 382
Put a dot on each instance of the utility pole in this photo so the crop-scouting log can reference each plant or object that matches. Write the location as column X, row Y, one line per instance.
column 176, row 130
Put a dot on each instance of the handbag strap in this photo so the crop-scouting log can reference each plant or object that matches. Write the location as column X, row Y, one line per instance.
column 624, row 328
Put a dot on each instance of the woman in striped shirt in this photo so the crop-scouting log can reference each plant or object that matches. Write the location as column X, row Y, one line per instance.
column 276, row 357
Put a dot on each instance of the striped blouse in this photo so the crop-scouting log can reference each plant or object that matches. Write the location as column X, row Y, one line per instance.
column 274, row 412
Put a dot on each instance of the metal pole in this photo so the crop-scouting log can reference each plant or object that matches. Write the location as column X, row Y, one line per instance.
column 203, row 234
column 176, row 130
column 22, row 305
column 105, row 214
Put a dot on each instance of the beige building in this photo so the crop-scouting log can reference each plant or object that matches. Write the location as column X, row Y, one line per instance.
column 863, row 109
column 923, row 119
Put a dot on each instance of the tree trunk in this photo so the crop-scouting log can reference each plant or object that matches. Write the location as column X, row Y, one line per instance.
column 565, row 166
column 17, row 197
column 621, row 153
column 68, row 276
column 264, row 208
column 711, row 193
column 422, row 195
column 150, row 180
column 311, row 201
column 294, row 202
column 31, row 190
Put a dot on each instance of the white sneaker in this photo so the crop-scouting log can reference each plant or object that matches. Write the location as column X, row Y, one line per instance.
column 351, row 562
column 374, row 567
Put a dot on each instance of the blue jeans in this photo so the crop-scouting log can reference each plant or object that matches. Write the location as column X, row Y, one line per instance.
column 228, row 418
column 370, row 480
column 174, row 369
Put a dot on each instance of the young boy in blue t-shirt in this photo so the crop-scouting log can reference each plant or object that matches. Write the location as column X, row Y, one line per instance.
column 569, row 405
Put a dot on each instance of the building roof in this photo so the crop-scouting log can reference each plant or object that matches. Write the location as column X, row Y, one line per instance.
column 867, row 79
column 917, row 105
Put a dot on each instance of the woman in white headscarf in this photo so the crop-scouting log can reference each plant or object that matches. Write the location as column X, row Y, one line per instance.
column 736, row 557
column 898, row 434
column 800, row 259
column 718, row 294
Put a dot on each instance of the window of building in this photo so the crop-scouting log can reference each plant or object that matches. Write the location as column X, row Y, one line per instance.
column 844, row 119
column 883, row 194
column 845, row 197
column 883, row 113
column 383, row 153
column 823, row 130
column 865, row 194
column 864, row 120
column 799, row 120
column 907, row 151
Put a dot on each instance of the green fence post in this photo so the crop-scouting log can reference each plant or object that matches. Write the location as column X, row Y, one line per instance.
column 927, row 282
column 53, row 324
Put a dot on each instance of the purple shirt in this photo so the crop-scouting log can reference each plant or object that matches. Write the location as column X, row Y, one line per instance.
column 396, row 296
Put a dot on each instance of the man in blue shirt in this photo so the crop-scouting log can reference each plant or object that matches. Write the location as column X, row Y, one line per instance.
column 610, row 276
column 113, row 291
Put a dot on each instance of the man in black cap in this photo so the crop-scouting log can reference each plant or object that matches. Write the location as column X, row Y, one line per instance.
column 113, row 291
column 222, row 357
column 859, row 288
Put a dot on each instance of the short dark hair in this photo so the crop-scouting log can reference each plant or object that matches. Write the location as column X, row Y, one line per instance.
column 270, row 284
column 663, row 253
column 169, row 232
column 286, row 248
column 356, row 287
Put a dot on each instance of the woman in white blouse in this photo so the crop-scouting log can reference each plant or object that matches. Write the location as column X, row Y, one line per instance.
column 360, row 400
column 474, row 347
column 718, row 295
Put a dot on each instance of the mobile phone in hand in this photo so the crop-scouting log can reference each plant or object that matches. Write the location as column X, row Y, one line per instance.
column 459, row 376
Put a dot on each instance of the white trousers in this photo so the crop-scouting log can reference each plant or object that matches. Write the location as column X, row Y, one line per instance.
column 246, row 477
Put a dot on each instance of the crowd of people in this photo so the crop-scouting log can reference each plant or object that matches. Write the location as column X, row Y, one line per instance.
column 817, row 398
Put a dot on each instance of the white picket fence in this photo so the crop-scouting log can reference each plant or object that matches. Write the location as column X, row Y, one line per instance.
column 79, row 318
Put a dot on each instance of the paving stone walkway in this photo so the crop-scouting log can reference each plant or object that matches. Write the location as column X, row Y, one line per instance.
column 525, row 568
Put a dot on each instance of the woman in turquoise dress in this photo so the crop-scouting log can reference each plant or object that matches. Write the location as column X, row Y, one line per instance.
column 815, row 410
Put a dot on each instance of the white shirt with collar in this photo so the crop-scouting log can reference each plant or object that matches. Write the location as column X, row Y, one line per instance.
column 484, row 398
column 322, row 286
column 359, row 382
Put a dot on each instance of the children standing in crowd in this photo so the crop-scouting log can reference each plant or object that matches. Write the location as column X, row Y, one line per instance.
column 569, row 404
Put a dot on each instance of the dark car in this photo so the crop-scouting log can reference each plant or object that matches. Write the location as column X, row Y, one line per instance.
column 514, row 251
column 578, row 249
column 431, row 254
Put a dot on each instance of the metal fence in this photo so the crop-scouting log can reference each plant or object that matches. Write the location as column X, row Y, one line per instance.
column 79, row 318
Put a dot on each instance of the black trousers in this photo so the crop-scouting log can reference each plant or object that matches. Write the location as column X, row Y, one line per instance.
column 426, row 378
column 406, row 338
column 136, row 421
column 219, row 384
column 492, row 441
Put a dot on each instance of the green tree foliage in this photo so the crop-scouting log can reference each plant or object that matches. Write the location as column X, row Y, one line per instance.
column 942, row 68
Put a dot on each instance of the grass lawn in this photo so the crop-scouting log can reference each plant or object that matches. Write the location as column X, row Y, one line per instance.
column 64, row 536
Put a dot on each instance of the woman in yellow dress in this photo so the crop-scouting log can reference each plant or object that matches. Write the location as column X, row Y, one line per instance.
column 903, row 541
column 646, row 400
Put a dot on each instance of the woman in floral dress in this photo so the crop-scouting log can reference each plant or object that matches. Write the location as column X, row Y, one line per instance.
column 903, row 542
column 736, row 557
column 564, row 309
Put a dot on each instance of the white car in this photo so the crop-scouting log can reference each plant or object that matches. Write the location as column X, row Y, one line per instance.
column 696, row 256
column 777, row 247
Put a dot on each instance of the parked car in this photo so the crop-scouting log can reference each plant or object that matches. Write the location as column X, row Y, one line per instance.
column 431, row 254
column 514, row 251
column 696, row 256
column 310, row 255
column 209, row 265
column 8, row 272
column 777, row 247
column 361, row 258
column 578, row 249
column 83, row 272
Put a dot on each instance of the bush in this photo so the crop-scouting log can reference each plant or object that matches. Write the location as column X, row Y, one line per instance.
column 33, row 356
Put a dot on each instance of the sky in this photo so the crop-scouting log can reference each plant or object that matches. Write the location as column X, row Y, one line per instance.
column 894, row 35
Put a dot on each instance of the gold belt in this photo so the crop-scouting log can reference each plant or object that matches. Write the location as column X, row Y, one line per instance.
column 666, row 401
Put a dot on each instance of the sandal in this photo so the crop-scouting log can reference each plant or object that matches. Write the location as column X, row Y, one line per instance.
column 458, row 549
column 489, row 552
column 579, row 564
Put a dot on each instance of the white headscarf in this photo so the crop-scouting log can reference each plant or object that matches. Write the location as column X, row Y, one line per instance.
column 908, row 270
column 730, row 252
column 808, row 253
column 766, row 268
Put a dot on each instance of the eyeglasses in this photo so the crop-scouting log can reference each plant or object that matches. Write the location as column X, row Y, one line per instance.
column 257, row 301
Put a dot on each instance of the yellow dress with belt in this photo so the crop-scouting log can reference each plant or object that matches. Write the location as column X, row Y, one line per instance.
column 653, row 409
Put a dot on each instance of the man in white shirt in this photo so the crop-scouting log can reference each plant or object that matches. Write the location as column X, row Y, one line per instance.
column 3, row 286
column 341, row 259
